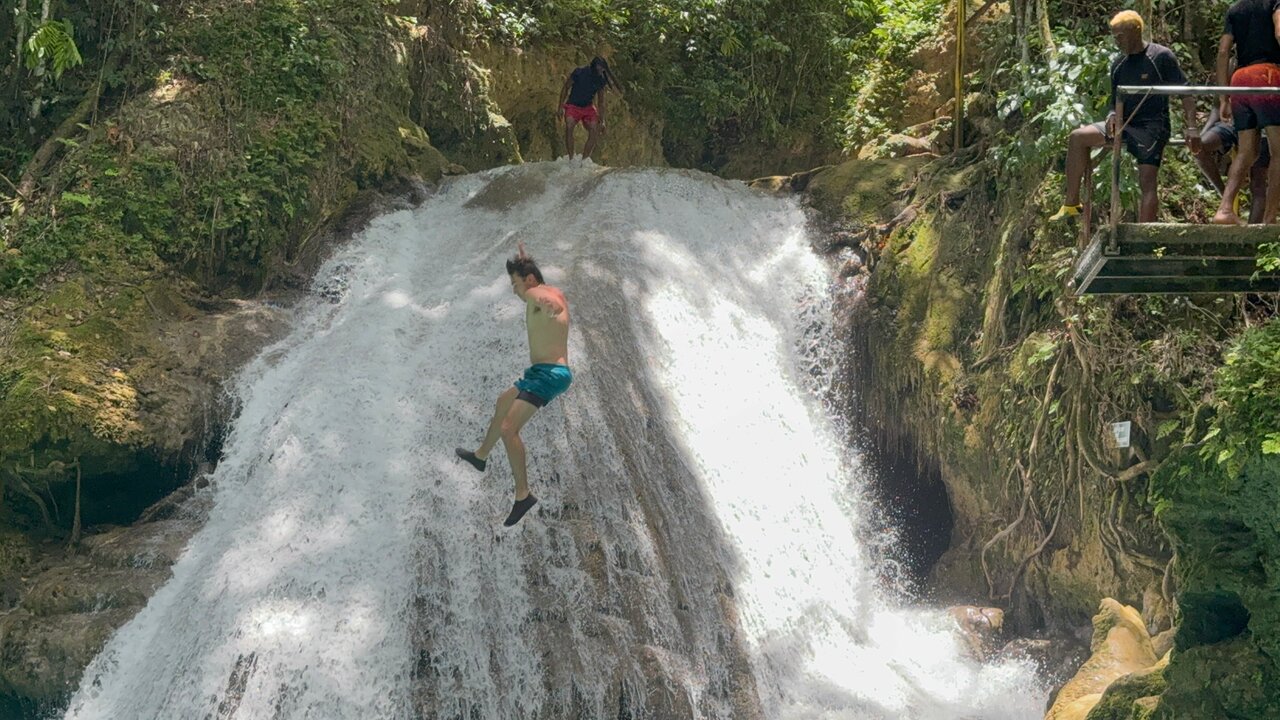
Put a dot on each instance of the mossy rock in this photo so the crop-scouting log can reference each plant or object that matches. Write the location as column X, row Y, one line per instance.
column 1232, row 679
column 865, row 192
column 1117, row 702
column 1228, row 571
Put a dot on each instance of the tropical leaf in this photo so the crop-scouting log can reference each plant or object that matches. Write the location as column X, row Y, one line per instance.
column 54, row 41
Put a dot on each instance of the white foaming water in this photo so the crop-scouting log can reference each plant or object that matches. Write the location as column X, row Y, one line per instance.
column 694, row 553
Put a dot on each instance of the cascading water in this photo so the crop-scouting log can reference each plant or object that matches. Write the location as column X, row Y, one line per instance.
column 694, row 553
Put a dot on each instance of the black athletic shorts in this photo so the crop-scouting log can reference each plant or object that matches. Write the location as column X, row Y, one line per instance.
column 1226, row 132
column 1145, row 142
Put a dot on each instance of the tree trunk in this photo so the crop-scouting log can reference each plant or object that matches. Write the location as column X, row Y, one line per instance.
column 39, row 161
column 75, row 522
column 1046, row 34
column 1020, row 10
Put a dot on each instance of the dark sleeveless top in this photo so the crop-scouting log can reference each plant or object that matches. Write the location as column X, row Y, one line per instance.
column 585, row 86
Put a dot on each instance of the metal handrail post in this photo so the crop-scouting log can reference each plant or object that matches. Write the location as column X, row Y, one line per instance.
column 958, row 139
column 1116, row 210
column 1086, row 222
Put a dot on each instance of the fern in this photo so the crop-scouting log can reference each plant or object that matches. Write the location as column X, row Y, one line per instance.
column 54, row 40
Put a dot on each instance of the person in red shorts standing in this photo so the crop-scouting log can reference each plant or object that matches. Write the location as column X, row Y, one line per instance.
column 1253, row 28
column 578, row 103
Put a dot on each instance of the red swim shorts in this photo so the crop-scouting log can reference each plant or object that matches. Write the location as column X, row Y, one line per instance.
column 586, row 114
column 1256, row 111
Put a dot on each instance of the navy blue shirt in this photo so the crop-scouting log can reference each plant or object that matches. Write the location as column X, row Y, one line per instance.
column 586, row 83
column 1155, row 65
column 1252, row 24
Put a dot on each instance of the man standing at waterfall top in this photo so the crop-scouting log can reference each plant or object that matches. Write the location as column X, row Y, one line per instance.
column 578, row 103
column 546, row 317
column 1145, row 127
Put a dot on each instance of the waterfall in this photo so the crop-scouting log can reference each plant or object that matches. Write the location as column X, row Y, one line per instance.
column 695, row 552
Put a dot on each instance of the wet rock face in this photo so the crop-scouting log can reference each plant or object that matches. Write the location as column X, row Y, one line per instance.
column 57, row 606
column 64, row 608
column 1228, row 570
column 980, row 627
column 1056, row 659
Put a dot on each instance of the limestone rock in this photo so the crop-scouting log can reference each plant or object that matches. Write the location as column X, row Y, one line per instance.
column 1117, row 702
column 774, row 184
column 1163, row 642
column 1120, row 646
column 782, row 184
column 980, row 627
column 1077, row 709
column 523, row 85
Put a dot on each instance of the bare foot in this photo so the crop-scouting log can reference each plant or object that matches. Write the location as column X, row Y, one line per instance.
column 1226, row 218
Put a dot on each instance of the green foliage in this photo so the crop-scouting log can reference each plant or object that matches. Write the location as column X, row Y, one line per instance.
column 263, row 93
column 717, row 72
column 54, row 41
column 1052, row 99
column 1247, row 400
column 1269, row 257
column 879, row 65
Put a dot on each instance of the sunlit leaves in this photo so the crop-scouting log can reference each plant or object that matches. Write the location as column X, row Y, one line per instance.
column 53, row 41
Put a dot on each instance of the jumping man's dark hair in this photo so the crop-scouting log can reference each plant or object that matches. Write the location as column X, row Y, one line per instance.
column 522, row 265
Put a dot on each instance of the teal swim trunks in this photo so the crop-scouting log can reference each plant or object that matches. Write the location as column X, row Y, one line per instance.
column 542, row 382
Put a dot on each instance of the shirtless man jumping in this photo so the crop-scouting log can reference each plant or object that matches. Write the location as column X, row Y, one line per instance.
column 546, row 316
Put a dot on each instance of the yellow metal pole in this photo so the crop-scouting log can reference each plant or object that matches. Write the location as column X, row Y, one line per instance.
column 1115, row 164
column 961, row 10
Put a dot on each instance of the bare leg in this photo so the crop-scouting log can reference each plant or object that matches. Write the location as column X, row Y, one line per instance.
column 593, row 136
column 1273, row 176
column 1082, row 140
column 517, row 416
column 1246, row 153
column 495, row 425
column 1207, row 159
column 1148, row 175
column 569, row 125
column 1257, row 193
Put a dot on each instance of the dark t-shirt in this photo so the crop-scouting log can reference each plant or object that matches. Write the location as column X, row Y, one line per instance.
column 1155, row 65
column 1252, row 24
column 586, row 84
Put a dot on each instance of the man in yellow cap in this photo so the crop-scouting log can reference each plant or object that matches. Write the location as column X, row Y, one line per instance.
column 1145, row 125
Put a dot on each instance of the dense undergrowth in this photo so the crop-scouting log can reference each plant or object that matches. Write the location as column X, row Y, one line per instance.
column 208, row 144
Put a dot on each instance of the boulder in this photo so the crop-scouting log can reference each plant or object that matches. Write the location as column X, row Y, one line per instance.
column 1120, row 646
column 980, row 627
column 1120, row 697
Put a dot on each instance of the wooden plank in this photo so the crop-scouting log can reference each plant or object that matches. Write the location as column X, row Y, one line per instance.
column 1177, row 267
column 1180, row 286
column 1169, row 258
column 1175, row 233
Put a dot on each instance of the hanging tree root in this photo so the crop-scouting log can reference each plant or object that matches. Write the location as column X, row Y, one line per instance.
column 1026, row 472
column 1053, row 530
column 53, row 471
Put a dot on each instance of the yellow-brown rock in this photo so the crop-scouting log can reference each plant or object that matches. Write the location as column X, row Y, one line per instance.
column 1120, row 646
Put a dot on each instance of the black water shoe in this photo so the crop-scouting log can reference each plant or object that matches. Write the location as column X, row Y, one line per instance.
column 470, row 457
column 519, row 509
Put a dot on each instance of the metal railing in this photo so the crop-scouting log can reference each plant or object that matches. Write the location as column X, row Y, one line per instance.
column 1146, row 90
